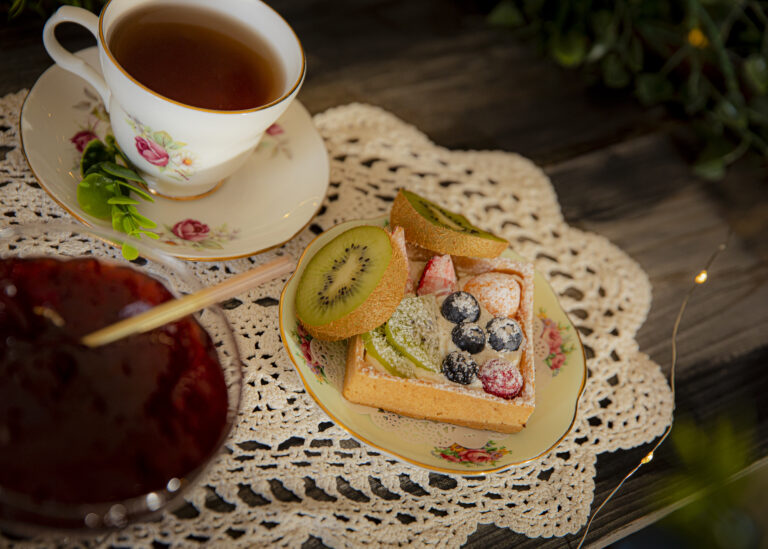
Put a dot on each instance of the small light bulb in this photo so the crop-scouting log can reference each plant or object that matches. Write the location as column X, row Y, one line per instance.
column 701, row 278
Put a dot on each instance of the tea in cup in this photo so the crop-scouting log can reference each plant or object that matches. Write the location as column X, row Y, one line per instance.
column 190, row 85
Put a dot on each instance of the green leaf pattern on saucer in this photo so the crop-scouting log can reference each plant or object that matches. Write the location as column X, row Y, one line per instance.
column 489, row 454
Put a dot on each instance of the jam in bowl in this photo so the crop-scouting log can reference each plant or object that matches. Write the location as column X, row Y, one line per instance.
column 94, row 438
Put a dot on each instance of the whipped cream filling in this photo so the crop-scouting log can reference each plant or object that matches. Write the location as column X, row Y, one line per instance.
column 446, row 342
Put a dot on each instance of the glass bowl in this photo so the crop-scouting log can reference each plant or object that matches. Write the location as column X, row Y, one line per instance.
column 24, row 512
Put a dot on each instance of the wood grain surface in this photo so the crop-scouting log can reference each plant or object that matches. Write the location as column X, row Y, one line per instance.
column 619, row 171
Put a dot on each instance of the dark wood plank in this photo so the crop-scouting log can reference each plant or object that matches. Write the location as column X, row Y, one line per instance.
column 436, row 64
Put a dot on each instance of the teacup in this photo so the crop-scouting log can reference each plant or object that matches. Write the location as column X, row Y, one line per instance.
column 183, row 151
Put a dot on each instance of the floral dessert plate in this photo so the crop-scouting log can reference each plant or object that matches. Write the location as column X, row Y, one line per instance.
column 560, row 376
column 264, row 204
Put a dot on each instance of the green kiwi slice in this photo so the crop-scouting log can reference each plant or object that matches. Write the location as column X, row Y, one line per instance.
column 351, row 285
column 433, row 227
column 413, row 331
column 391, row 359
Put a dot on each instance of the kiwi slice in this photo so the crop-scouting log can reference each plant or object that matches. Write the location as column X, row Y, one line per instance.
column 391, row 359
column 413, row 331
column 352, row 284
column 437, row 229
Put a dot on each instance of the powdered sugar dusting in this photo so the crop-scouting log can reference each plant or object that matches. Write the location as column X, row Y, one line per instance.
column 499, row 293
column 505, row 334
column 501, row 378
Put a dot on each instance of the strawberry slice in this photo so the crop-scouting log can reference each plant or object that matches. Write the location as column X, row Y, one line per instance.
column 439, row 277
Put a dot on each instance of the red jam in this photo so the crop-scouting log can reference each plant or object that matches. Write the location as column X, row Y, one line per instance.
column 81, row 425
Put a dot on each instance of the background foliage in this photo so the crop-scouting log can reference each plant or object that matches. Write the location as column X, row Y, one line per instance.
column 706, row 60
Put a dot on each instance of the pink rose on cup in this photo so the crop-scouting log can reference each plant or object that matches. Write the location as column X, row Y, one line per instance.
column 82, row 138
column 152, row 152
column 190, row 229
column 475, row 455
column 275, row 129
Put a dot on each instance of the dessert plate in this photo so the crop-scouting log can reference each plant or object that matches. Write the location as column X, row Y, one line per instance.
column 264, row 204
column 561, row 372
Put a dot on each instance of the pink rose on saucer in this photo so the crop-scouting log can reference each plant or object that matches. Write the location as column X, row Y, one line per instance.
column 557, row 361
column 450, row 457
column 475, row 455
column 151, row 151
column 82, row 138
column 190, row 229
column 275, row 129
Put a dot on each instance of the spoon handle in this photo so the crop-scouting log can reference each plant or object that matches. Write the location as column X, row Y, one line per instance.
column 178, row 308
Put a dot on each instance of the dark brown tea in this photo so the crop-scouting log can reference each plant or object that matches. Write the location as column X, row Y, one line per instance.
column 197, row 57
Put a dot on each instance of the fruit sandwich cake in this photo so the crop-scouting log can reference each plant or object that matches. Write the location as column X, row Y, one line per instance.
column 439, row 326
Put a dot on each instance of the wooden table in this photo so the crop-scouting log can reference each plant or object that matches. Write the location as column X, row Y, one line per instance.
column 618, row 171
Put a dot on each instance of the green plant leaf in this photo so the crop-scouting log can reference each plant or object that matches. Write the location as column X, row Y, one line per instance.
column 697, row 90
column 615, row 74
column 712, row 169
column 96, row 168
column 121, row 171
column 146, row 196
column 129, row 252
column 150, row 234
column 506, row 14
column 603, row 26
column 534, row 7
column 122, row 200
column 17, row 6
column 687, row 442
column 129, row 225
column 756, row 72
column 596, row 52
column 635, row 55
column 758, row 110
column 93, row 195
column 730, row 114
column 144, row 221
column 95, row 152
column 652, row 89
column 569, row 50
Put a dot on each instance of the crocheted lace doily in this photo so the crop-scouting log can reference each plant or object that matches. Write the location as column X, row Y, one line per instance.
column 290, row 473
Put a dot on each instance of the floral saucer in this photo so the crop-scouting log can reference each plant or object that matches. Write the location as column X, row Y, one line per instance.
column 561, row 372
column 264, row 204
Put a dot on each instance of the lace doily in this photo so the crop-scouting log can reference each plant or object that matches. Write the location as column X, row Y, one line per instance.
column 290, row 473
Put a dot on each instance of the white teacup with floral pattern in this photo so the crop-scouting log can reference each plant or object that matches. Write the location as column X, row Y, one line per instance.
column 182, row 151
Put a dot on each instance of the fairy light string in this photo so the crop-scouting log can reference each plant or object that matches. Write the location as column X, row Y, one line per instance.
column 701, row 278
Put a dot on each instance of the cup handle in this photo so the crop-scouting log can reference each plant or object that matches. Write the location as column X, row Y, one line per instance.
column 69, row 61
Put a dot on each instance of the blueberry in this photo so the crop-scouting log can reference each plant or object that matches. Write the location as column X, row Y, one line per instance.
column 460, row 306
column 504, row 334
column 468, row 337
column 459, row 367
